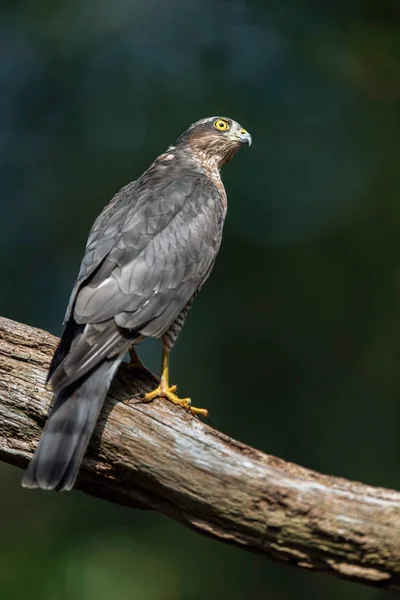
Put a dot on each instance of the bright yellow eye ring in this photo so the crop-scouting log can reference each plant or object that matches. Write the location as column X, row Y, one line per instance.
column 221, row 125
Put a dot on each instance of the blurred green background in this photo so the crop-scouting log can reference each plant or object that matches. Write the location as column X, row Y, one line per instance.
column 294, row 343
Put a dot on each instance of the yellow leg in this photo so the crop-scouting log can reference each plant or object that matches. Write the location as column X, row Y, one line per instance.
column 135, row 362
column 164, row 390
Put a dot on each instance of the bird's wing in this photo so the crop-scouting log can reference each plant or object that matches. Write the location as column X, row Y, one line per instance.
column 147, row 254
column 150, row 260
column 103, row 238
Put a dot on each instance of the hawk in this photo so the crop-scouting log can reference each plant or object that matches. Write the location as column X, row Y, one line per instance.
column 147, row 256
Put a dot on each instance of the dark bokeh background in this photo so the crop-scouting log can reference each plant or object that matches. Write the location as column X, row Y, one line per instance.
column 294, row 344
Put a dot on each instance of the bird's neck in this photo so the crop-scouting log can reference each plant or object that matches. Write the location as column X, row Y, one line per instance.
column 210, row 166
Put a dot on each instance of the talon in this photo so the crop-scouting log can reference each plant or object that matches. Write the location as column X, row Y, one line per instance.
column 151, row 395
column 164, row 390
column 199, row 412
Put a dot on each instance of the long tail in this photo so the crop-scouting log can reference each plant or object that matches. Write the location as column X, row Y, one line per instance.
column 68, row 429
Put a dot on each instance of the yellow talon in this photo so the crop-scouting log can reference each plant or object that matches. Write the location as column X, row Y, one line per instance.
column 164, row 390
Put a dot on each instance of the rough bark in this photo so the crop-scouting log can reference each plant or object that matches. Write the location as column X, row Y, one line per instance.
column 156, row 456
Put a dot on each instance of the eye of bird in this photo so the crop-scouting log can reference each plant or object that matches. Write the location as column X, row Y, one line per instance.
column 221, row 125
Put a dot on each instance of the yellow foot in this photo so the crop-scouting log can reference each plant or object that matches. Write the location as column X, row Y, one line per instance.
column 164, row 391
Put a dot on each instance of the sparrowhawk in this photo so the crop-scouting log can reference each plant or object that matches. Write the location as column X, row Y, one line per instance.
column 148, row 254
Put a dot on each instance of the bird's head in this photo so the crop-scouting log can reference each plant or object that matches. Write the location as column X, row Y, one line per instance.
column 214, row 141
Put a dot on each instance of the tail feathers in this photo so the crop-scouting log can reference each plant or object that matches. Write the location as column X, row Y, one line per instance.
column 71, row 331
column 68, row 429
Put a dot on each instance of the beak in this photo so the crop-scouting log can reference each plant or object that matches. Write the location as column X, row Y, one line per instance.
column 244, row 137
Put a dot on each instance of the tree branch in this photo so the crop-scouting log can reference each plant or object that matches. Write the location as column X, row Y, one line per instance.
column 156, row 456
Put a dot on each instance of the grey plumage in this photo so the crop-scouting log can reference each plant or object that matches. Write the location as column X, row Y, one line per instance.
column 68, row 430
column 147, row 255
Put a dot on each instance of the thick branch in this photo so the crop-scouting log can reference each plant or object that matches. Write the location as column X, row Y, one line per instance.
column 156, row 456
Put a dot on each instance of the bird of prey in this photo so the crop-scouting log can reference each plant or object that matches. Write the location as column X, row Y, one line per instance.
column 147, row 256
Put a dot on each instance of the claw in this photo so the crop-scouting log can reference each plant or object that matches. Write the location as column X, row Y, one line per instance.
column 164, row 391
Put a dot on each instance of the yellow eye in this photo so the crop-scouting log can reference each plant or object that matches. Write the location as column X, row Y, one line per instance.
column 221, row 125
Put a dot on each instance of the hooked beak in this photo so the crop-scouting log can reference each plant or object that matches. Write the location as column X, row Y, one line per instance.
column 244, row 137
